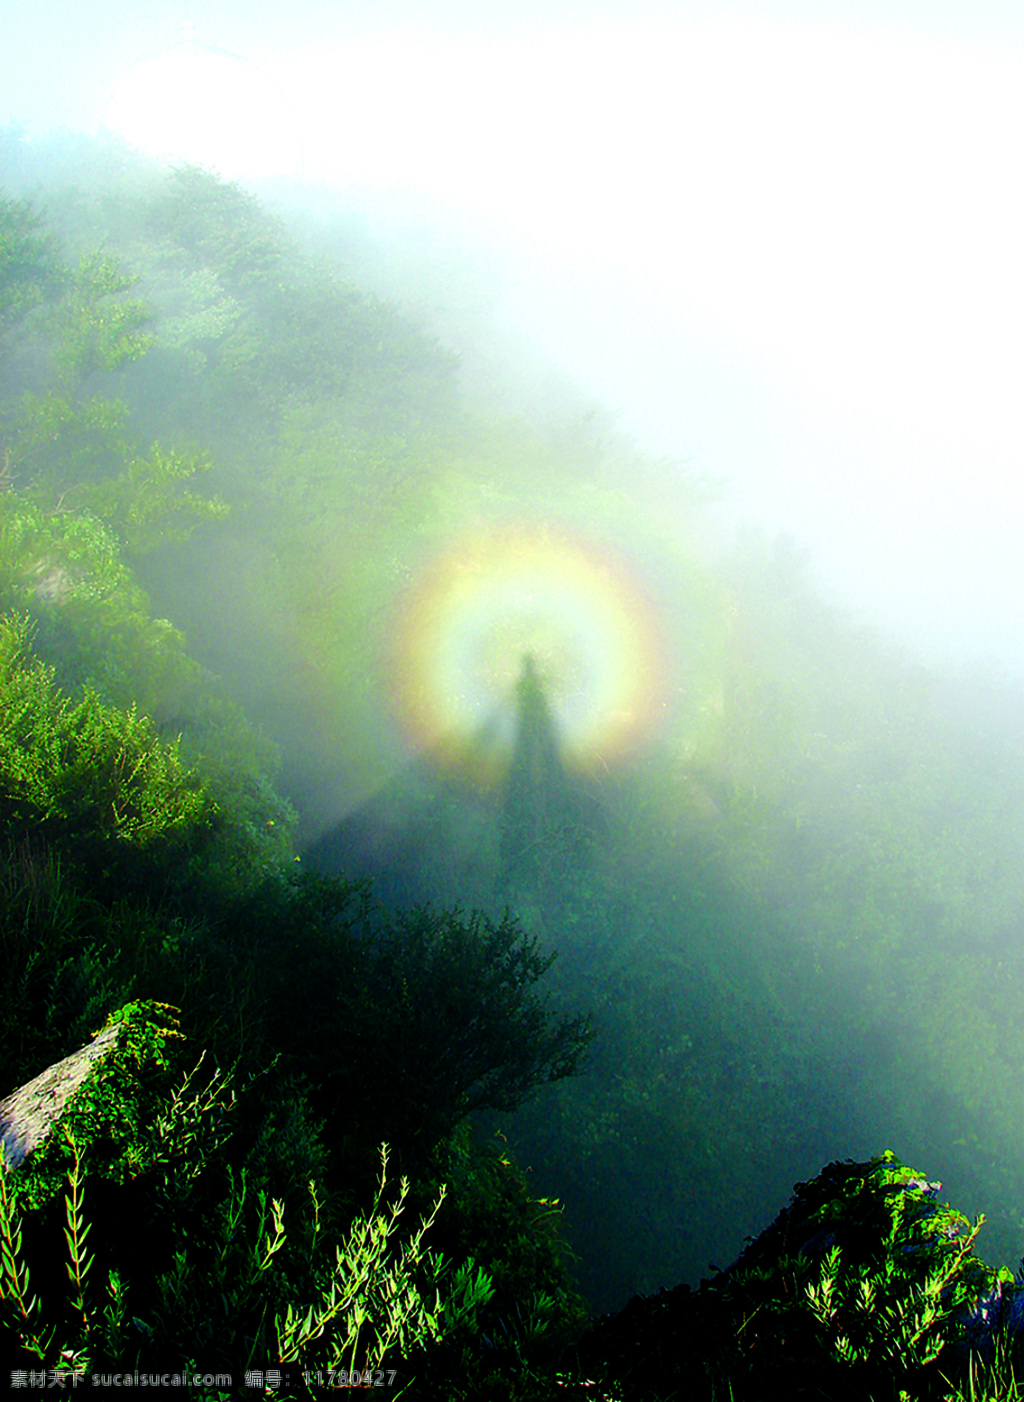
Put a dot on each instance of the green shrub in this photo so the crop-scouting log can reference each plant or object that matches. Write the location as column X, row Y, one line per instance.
column 864, row 1287
column 95, row 779
column 401, row 1023
column 234, row 1288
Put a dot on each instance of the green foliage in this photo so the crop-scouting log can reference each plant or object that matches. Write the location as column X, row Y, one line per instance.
column 60, row 965
column 23, row 1308
column 531, row 1313
column 247, row 327
column 355, row 1311
column 439, row 1012
column 90, row 776
column 81, row 457
column 92, row 624
column 233, row 1287
column 865, row 1286
column 476, row 978
column 91, row 619
column 148, row 507
column 58, row 558
column 124, row 1116
column 97, row 327
column 91, row 772
column 74, row 451
column 57, row 446
column 886, row 1294
column 28, row 262
column 219, row 225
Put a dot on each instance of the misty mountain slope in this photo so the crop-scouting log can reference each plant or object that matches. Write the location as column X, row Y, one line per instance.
column 113, row 909
column 432, row 835
column 799, row 922
column 724, row 1001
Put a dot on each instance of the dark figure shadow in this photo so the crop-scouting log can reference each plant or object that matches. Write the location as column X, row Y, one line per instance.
column 434, row 836
column 548, row 824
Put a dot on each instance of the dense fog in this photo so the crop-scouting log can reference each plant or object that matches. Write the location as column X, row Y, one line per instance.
column 597, row 484
column 799, row 225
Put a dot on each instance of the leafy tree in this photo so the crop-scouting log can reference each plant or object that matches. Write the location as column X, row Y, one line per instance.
column 439, row 1011
column 96, row 327
column 69, row 448
column 147, row 505
column 29, row 266
column 85, row 769
column 120, row 803
column 58, row 446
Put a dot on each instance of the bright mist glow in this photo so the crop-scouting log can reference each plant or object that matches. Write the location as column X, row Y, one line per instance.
column 577, row 607
column 204, row 105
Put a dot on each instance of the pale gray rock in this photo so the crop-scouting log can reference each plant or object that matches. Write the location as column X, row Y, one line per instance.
column 29, row 1114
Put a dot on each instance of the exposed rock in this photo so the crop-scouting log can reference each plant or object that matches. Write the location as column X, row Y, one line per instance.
column 29, row 1114
column 51, row 582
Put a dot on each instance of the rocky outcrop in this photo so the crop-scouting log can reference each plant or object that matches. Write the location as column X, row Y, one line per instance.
column 97, row 1093
column 29, row 1115
column 864, row 1285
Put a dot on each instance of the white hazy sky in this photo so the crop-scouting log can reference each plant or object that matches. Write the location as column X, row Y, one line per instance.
column 783, row 242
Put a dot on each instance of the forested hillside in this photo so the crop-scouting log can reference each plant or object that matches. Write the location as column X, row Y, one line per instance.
column 656, row 965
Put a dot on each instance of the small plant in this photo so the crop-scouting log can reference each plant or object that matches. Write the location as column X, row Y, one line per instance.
column 866, row 1285
column 92, row 1327
column 371, row 1288
column 270, row 1302
column 894, row 1309
column 380, row 1297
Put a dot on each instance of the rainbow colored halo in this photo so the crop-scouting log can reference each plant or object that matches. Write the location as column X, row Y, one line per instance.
column 465, row 626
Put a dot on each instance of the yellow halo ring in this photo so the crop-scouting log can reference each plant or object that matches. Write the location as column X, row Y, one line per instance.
column 577, row 607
